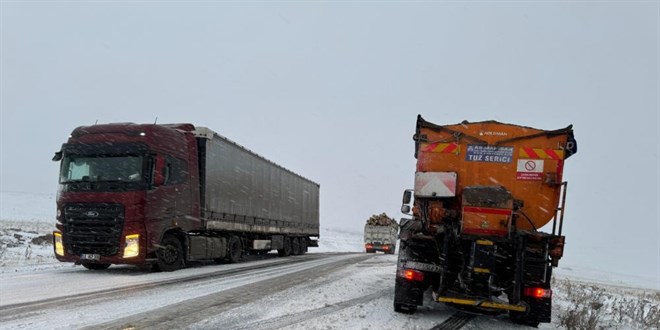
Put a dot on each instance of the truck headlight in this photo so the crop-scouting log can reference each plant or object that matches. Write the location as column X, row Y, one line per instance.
column 132, row 248
column 59, row 247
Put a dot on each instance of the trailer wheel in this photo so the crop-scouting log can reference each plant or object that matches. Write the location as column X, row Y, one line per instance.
column 286, row 250
column 303, row 245
column 234, row 250
column 295, row 246
column 170, row 254
column 96, row 266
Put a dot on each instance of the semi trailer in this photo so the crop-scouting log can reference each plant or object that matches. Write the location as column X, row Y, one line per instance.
column 168, row 194
column 482, row 193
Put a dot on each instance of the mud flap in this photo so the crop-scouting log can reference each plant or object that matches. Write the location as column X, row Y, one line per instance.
column 408, row 293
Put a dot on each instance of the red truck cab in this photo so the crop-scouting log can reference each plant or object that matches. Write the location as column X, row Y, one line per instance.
column 121, row 188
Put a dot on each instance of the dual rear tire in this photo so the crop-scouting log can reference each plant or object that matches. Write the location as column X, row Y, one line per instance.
column 293, row 246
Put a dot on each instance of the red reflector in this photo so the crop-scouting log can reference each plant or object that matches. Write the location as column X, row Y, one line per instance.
column 537, row 292
column 412, row 275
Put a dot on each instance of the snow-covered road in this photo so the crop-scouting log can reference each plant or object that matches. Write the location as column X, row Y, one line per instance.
column 74, row 297
column 315, row 291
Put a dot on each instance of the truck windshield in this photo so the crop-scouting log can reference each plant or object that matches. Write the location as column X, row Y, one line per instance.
column 77, row 168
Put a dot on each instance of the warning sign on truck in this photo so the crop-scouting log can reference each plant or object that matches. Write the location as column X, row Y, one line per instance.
column 530, row 169
column 489, row 154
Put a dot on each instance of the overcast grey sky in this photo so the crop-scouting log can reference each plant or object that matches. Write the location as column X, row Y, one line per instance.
column 332, row 90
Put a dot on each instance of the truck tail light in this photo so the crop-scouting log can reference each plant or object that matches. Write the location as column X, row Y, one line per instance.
column 368, row 246
column 132, row 247
column 59, row 246
column 537, row 293
column 411, row 275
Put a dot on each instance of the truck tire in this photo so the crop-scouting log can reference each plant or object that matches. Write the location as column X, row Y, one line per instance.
column 91, row 266
column 170, row 255
column 405, row 308
column 286, row 250
column 295, row 246
column 234, row 250
column 407, row 295
column 303, row 245
column 523, row 319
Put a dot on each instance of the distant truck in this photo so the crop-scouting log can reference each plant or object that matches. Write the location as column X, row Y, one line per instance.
column 381, row 234
column 166, row 195
column 483, row 190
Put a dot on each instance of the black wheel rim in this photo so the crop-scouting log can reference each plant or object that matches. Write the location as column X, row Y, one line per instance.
column 170, row 254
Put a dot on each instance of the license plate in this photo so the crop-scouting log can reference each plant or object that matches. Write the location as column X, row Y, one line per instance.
column 88, row 256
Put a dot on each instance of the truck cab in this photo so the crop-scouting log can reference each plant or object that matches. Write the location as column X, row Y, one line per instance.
column 122, row 187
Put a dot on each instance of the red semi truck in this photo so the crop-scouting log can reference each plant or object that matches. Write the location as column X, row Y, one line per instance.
column 163, row 195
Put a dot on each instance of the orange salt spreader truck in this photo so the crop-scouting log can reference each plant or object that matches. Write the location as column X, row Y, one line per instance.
column 482, row 192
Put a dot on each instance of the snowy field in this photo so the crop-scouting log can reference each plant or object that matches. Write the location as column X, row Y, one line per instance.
column 584, row 298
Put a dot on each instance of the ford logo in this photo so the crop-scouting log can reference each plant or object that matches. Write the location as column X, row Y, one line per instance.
column 92, row 214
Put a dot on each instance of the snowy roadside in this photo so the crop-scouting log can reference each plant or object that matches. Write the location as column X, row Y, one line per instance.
column 25, row 250
column 26, row 225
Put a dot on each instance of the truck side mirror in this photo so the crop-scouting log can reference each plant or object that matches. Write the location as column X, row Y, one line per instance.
column 407, row 199
column 407, row 196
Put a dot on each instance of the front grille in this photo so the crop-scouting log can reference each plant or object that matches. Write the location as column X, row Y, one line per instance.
column 93, row 228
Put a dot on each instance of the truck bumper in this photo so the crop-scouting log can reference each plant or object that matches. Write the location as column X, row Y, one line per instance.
column 370, row 248
column 64, row 255
column 482, row 304
column 102, row 259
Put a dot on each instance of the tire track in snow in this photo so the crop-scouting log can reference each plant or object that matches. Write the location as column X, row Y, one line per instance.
column 25, row 310
column 455, row 322
column 194, row 313
column 290, row 319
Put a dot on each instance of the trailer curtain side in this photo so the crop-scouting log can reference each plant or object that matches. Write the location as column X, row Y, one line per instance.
column 242, row 191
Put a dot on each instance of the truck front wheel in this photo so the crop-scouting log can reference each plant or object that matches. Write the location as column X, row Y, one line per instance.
column 170, row 254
